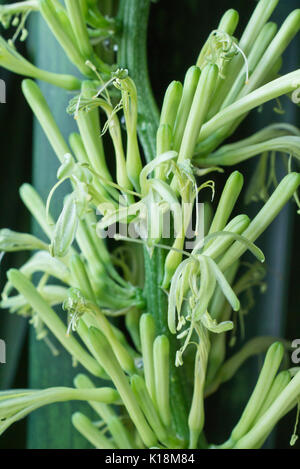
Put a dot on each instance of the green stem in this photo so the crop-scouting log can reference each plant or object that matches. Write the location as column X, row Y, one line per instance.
column 132, row 54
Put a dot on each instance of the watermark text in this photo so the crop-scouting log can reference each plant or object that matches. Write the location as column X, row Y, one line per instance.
column 2, row 92
column 296, row 353
column 2, row 351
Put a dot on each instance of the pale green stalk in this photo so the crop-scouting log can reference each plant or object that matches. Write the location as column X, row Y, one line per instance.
column 161, row 359
column 259, row 17
column 45, row 117
column 130, row 106
column 77, row 146
column 122, row 355
column 44, row 397
column 75, row 13
column 48, row 11
column 80, row 277
column 231, row 157
column 189, row 88
column 275, row 412
column 13, row 61
column 266, row 378
column 279, row 384
column 227, row 202
column 257, row 21
column 262, row 42
column 89, row 431
column 95, row 266
column 219, row 245
column 198, row 111
column 109, row 362
column 264, row 218
column 36, row 207
column 15, row 407
column 171, row 103
column 119, row 432
column 230, row 367
column 145, row 402
column 163, row 144
column 197, row 413
column 281, row 41
column 19, row 7
column 272, row 90
column 89, row 127
column 147, row 335
column 116, row 136
column 52, row 321
column 132, row 321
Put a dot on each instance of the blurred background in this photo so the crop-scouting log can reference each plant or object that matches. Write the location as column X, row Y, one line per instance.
column 177, row 30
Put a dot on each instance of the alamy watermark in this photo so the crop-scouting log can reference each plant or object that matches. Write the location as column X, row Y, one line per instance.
column 2, row 92
column 2, row 352
column 154, row 221
column 296, row 353
column 296, row 96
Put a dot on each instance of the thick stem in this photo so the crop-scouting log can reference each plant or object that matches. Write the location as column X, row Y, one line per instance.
column 132, row 55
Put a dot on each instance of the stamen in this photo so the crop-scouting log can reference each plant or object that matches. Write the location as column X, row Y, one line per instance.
column 20, row 28
column 245, row 60
column 294, row 437
column 77, row 108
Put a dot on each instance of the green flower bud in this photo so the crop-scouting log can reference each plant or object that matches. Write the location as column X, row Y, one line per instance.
column 198, row 111
column 279, row 384
column 89, row 431
column 266, row 378
column 161, row 360
column 171, row 104
column 229, row 21
column 117, row 429
column 75, row 13
column 141, row 393
column 18, row 404
column 282, row 404
column 65, row 228
column 227, row 201
column 266, row 215
column 48, row 11
column 13, row 61
column 14, row 241
column 109, row 362
column 163, row 142
column 189, row 88
column 45, row 117
column 237, row 225
column 147, row 334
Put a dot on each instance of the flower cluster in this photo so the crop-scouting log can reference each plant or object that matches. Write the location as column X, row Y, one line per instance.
column 79, row 272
